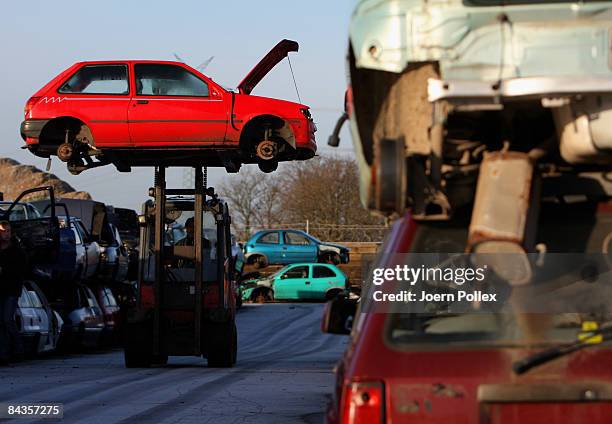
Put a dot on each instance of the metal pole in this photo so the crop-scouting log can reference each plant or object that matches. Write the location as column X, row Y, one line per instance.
column 197, row 245
column 160, row 207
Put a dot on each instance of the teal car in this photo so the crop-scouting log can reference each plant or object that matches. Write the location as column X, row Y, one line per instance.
column 302, row 281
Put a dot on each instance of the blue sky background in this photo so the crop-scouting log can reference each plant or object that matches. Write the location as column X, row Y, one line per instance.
column 42, row 38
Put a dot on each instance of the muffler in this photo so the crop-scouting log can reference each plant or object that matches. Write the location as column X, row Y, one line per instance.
column 504, row 218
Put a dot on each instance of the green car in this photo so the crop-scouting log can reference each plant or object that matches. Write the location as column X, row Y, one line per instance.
column 301, row 281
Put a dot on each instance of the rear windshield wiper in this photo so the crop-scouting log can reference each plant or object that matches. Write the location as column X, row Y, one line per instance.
column 537, row 359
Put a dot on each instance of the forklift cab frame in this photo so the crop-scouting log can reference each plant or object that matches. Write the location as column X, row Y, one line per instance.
column 185, row 303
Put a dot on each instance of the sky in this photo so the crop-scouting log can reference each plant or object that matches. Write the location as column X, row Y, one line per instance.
column 42, row 38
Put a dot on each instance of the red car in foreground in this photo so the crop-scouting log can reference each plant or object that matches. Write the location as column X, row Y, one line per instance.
column 158, row 113
column 455, row 368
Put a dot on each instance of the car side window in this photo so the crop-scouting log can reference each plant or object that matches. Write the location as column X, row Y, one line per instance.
column 168, row 80
column 296, row 272
column 98, row 79
column 269, row 238
column 296, row 239
column 321, row 271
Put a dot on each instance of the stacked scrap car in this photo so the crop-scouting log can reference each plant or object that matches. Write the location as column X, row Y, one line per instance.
column 151, row 113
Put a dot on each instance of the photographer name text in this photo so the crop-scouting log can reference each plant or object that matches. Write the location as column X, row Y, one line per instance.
column 409, row 296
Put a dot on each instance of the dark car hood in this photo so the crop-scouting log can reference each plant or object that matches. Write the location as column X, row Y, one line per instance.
column 265, row 65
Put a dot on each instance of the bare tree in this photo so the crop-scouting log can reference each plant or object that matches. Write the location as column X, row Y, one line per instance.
column 323, row 192
column 253, row 198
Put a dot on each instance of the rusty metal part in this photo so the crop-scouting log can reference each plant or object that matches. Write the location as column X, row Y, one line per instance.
column 583, row 130
column 267, row 150
column 504, row 215
column 84, row 136
column 65, row 152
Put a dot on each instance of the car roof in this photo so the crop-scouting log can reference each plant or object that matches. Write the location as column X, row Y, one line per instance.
column 311, row 263
column 281, row 229
column 129, row 61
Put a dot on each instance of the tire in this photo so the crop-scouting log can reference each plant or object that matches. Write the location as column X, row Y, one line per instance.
column 332, row 294
column 137, row 352
column 137, row 358
column 260, row 262
column 390, row 191
column 160, row 360
column 262, row 296
column 331, row 258
column 269, row 166
column 223, row 344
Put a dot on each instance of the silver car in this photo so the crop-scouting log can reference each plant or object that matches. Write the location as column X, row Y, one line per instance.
column 38, row 324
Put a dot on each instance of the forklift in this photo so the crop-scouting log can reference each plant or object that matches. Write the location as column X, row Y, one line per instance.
column 185, row 303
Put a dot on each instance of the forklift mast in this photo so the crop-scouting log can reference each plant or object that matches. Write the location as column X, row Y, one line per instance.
column 186, row 300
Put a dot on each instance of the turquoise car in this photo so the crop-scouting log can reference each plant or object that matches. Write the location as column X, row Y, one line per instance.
column 302, row 281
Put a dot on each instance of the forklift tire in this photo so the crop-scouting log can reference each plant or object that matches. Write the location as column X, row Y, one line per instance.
column 137, row 351
column 222, row 345
column 160, row 360
column 137, row 357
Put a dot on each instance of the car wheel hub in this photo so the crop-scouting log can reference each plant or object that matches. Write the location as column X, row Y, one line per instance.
column 65, row 152
column 266, row 150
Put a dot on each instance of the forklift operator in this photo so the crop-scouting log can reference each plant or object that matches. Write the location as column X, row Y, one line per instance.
column 189, row 238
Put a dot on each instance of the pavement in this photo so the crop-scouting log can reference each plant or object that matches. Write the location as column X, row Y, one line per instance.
column 283, row 375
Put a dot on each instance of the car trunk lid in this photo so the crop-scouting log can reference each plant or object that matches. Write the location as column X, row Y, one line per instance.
column 265, row 65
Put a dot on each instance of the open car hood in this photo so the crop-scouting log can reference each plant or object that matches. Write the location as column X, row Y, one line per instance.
column 265, row 65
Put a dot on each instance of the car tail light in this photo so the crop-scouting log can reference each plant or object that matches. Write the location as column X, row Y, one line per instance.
column 30, row 104
column 363, row 403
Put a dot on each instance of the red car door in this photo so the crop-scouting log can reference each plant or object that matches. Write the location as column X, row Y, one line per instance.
column 99, row 95
column 173, row 106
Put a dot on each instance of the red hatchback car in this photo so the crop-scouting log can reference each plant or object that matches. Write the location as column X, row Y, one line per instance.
column 459, row 368
column 154, row 113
